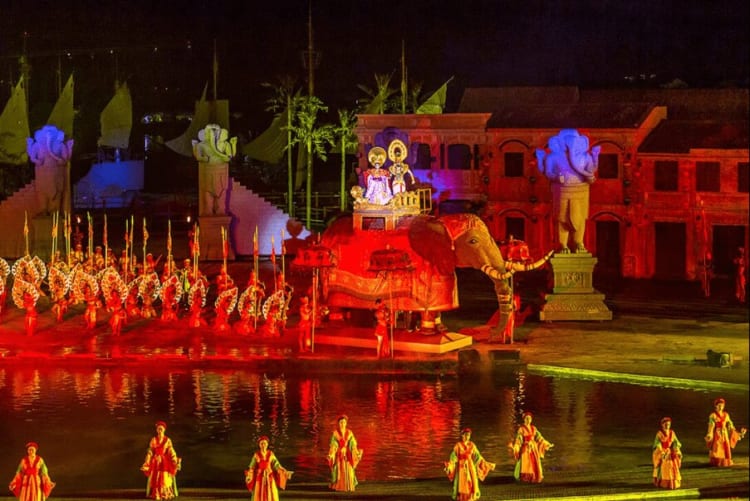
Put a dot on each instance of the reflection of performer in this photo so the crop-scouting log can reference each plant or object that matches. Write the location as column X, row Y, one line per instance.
column 466, row 467
column 722, row 435
column 161, row 466
column 32, row 482
column 265, row 475
column 667, row 457
column 378, row 190
column 399, row 169
column 528, row 450
column 343, row 457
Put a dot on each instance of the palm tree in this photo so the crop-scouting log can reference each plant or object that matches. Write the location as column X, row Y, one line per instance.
column 314, row 138
column 286, row 97
column 346, row 139
column 379, row 99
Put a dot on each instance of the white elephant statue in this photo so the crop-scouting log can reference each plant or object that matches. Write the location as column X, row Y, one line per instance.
column 214, row 145
column 50, row 153
column 571, row 167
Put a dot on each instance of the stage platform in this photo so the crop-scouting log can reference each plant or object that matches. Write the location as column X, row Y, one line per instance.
column 403, row 340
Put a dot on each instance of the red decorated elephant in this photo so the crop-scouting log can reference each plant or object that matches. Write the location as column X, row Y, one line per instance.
column 433, row 247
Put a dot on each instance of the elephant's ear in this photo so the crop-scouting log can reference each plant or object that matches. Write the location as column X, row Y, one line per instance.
column 429, row 238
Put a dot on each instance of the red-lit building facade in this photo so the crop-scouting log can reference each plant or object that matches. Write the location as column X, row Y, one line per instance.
column 672, row 184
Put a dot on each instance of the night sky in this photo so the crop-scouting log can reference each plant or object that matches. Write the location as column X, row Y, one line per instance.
column 479, row 42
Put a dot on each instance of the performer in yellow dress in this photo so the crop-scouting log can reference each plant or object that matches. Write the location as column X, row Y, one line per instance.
column 265, row 475
column 466, row 467
column 32, row 482
column 343, row 457
column 161, row 466
column 667, row 457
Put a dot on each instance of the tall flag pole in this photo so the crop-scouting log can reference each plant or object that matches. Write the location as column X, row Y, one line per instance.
column 224, row 253
column 196, row 249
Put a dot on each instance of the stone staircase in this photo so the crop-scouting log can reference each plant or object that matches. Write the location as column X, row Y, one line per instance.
column 12, row 211
column 249, row 210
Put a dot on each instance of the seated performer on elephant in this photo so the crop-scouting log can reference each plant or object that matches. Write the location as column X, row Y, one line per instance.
column 570, row 166
column 399, row 169
column 378, row 188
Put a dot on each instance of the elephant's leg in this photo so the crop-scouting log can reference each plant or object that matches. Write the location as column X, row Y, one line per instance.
column 431, row 323
column 503, row 331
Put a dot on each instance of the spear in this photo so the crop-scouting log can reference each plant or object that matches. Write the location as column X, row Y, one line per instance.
column 283, row 255
column 224, row 253
column 131, row 259
column 169, row 246
column 255, row 268
column 126, row 271
column 273, row 262
column 55, row 219
column 91, row 238
column 26, row 230
column 196, row 249
column 104, row 241
column 145, row 242
column 255, row 251
column 67, row 230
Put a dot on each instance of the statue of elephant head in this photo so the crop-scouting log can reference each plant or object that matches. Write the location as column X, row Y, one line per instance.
column 49, row 148
column 569, row 160
column 213, row 145
column 436, row 246
column 50, row 154
column 571, row 168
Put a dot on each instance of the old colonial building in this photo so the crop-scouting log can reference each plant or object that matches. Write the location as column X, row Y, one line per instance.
column 672, row 187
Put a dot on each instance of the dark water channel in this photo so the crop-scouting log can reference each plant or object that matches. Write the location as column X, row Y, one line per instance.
column 93, row 425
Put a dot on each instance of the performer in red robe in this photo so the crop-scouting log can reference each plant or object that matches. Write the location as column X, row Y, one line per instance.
column 32, row 482
column 343, row 457
column 722, row 435
column 161, row 466
column 528, row 450
column 466, row 467
column 265, row 475
column 667, row 457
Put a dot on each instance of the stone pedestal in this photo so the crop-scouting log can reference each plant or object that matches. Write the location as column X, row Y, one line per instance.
column 210, row 237
column 573, row 295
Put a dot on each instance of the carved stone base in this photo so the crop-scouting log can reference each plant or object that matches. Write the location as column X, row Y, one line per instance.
column 574, row 297
column 210, row 237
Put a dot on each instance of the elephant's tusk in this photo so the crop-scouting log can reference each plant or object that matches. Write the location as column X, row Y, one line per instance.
column 528, row 267
column 494, row 274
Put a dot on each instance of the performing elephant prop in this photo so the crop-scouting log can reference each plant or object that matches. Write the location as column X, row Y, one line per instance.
column 433, row 248
column 50, row 153
column 571, row 168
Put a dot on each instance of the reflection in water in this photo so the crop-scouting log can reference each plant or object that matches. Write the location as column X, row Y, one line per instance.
column 406, row 426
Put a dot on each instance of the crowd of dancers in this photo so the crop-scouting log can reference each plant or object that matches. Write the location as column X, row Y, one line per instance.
column 129, row 290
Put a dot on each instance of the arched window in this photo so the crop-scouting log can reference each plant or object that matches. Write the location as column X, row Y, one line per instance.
column 459, row 157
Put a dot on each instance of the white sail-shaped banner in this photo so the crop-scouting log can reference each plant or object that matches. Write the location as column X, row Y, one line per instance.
column 206, row 112
column 62, row 113
column 14, row 128
column 116, row 119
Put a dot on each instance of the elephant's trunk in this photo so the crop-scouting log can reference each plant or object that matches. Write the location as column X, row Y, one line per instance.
column 512, row 267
